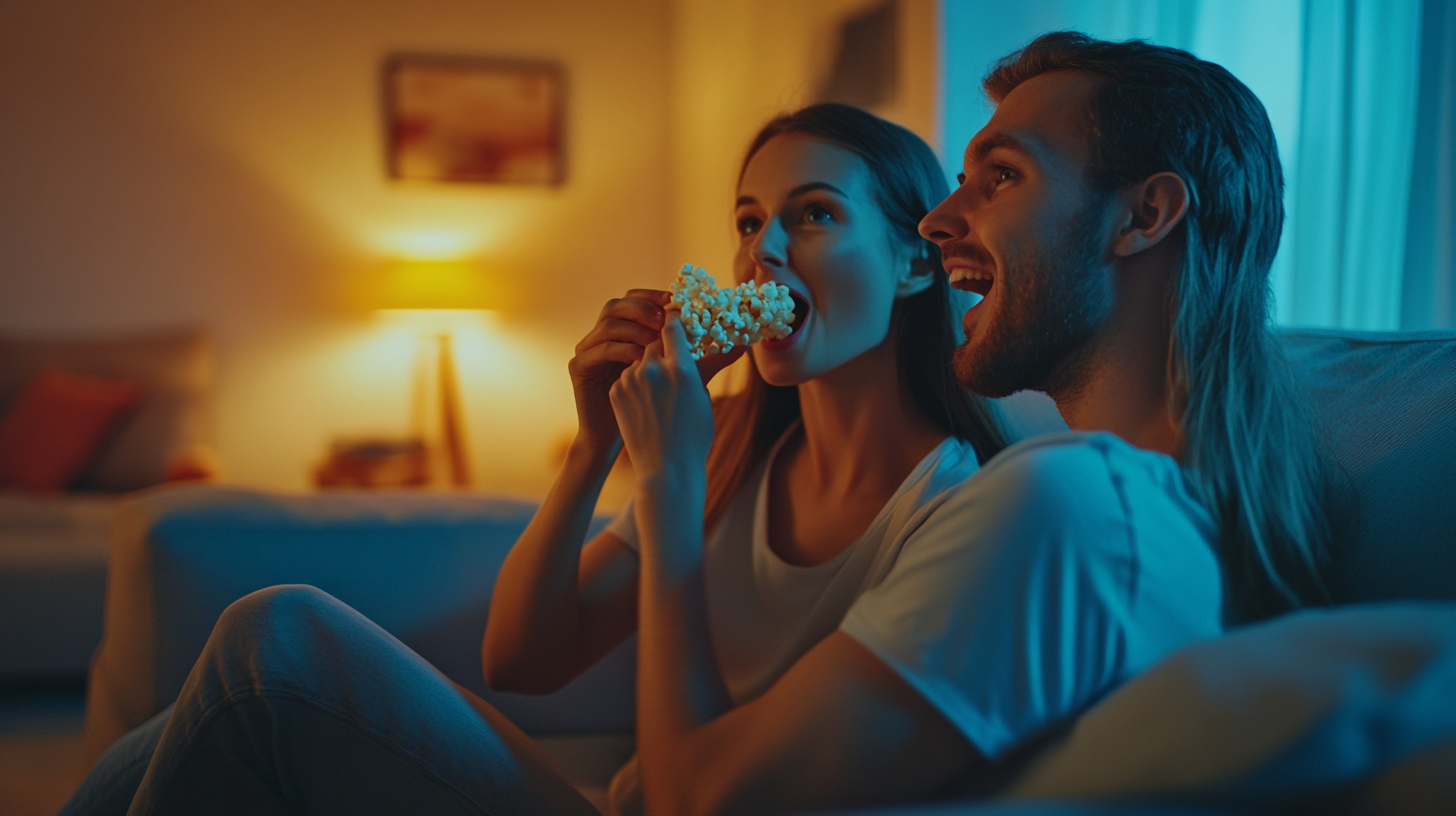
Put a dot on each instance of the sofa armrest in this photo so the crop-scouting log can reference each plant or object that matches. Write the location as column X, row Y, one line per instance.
column 421, row 565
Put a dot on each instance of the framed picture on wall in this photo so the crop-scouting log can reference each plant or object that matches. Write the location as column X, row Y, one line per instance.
column 475, row 120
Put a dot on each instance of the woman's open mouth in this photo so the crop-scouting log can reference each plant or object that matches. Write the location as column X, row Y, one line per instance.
column 801, row 311
column 801, row 314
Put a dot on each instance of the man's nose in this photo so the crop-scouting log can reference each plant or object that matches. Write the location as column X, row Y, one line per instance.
column 946, row 222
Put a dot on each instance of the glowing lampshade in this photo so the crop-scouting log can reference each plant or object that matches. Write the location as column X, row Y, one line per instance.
column 411, row 284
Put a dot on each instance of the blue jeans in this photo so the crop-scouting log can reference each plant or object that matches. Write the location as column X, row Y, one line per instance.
column 299, row 704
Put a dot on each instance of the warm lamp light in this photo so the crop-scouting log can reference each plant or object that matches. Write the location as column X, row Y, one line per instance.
column 434, row 293
column 435, row 285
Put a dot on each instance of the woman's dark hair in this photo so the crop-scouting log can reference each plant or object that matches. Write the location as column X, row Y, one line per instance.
column 1250, row 447
column 908, row 184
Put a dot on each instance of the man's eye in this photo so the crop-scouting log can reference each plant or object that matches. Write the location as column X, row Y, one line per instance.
column 960, row 178
column 748, row 225
column 1004, row 174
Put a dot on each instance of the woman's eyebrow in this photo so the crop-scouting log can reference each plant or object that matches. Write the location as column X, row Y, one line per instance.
column 797, row 191
column 816, row 185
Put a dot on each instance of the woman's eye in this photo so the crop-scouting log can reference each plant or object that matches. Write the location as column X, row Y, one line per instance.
column 748, row 225
column 817, row 214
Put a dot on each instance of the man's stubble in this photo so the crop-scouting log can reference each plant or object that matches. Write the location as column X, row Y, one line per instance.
column 1053, row 301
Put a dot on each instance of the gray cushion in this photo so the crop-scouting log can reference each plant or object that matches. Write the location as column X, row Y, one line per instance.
column 1388, row 403
column 1349, row 706
column 175, row 369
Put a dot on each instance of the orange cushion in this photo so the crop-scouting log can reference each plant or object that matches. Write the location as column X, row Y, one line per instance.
column 56, row 427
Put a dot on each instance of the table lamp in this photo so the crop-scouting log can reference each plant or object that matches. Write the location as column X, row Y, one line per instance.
column 436, row 294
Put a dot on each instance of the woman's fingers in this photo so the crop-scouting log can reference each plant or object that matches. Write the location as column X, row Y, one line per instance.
column 676, row 350
column 609, row 352
column 711, row 364
column 625, row 388
column 618, row 330
column 642, row 305
column 661, row 407
column 653, row 352
column 659, row 296
column 635, row 318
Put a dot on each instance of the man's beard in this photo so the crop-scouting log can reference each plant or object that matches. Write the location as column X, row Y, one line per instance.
column 1041, row 337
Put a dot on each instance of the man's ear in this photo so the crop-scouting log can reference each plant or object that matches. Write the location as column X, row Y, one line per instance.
column 1154, row 208
column 918, row 277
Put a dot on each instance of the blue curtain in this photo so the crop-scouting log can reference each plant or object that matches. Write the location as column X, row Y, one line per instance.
column 1351, row 187
column 1346, row 83
column 1428, row 291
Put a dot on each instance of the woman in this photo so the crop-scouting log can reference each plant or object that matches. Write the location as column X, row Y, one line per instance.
column 852, row 417
column 733, row 561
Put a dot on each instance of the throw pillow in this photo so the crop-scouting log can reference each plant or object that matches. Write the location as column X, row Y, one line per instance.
column 1345, row 710
column 175, row 371
column 57, row 426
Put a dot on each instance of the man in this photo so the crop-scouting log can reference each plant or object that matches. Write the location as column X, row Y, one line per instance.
column 1131, row 198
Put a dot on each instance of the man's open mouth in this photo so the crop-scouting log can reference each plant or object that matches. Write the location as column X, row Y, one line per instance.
column 975, row 280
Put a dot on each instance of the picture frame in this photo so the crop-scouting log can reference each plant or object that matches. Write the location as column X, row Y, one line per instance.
column 474, row 120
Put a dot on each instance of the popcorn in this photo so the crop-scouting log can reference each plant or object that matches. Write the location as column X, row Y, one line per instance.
column 716, row 320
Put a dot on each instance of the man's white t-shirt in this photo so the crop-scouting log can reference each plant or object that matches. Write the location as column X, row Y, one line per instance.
column 1070, row 563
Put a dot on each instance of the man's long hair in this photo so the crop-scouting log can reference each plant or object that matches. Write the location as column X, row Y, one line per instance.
column 1250, row 448
column 908, row 183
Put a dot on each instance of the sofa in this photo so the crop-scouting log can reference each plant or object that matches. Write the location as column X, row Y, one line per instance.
column 1351, row 708
column 54, row 544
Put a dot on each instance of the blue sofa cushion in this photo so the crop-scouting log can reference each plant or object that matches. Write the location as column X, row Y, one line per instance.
column 1387, row 401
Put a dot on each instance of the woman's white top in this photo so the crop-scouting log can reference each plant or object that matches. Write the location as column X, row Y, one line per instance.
column 765, row 613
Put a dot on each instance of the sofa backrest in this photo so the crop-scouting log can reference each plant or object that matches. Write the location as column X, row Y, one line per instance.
column 1387, row 402
column 175, row 370
column 420, row 564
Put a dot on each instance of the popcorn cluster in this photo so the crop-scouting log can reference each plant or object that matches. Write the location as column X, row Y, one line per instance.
column 716, row 319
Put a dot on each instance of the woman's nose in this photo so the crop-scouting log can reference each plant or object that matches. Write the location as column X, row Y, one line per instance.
column 771, row 246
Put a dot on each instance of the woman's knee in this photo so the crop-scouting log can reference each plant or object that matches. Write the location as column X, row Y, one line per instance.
column 271, row 605
column 279, row 621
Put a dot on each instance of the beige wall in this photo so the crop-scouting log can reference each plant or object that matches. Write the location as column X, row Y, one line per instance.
column 170, row 162
column 738, row 64
column 219, row 162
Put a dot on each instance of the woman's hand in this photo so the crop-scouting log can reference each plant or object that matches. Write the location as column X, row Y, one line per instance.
column 626, row 326
column 663, row 409
column 711, row 364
